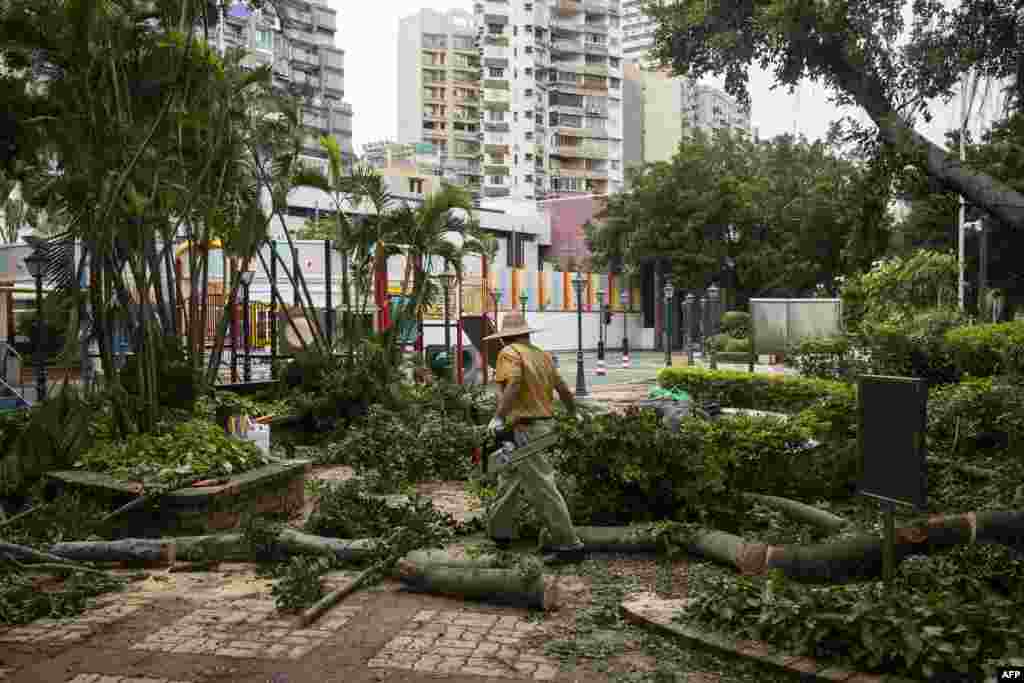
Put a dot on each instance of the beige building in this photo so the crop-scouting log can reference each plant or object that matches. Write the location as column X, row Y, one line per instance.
column 439, row 93
column 661, row 109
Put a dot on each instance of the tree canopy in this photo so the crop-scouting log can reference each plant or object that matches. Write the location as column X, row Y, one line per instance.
column 785, row 215
column 864, row 52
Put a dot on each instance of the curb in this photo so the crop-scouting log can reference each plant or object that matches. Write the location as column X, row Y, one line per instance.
column 646, row 609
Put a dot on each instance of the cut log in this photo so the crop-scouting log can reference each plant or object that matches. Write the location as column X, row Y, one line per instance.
column 442, row 558
column 800, row 512
column 504, row 586
column 336, row 596
column 619, row 539
column 25, row 554
column 200, row 548
column 860, row 557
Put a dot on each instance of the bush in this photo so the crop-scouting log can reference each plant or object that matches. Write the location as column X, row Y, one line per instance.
column 737, row 346
column 913, row 347
column 824, row 358
column 940, row 618
column 717, row 342
column 737, row 389
column 401, row 448
column 736, row 324
column 627, row 468
column 987, row 350
column 196, row 448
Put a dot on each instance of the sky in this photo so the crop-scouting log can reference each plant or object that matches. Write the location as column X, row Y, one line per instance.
column 368, row 32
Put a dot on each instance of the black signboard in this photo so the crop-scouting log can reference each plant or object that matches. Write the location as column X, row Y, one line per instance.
column 893, row 414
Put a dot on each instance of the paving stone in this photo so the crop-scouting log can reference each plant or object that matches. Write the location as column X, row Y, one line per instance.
column 469, row 644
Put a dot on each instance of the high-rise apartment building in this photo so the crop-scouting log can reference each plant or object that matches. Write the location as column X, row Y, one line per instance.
column 661, row 110
column 552, row 83
column 439, row 93
column 637, row 32
column 299, row 46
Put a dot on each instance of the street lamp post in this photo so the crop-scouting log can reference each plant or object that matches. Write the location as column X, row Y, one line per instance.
column 446, row 282
column 497, row 298
column 35, row 263
column 600, row 325
column 246, row 278
column 691, row 326
column 524, row 296
column 581, row 382
column 624, row 298
column 669, row 291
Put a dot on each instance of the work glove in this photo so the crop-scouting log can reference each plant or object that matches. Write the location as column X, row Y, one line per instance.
column 495, row 425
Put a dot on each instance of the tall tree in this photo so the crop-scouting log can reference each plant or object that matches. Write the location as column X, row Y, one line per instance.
column 854, row 47
column 788, row 216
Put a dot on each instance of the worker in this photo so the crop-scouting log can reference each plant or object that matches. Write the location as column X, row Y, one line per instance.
column 527, row 379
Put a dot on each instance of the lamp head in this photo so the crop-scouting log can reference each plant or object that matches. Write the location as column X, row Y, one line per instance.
column 246, row 276
column 669, row 291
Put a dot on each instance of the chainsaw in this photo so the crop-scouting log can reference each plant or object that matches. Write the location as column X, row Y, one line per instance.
column 511, row 452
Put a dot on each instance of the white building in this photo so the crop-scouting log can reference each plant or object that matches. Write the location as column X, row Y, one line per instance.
column 552, row 98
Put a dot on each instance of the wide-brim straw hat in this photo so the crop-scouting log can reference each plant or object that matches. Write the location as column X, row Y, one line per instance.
column 513, row 325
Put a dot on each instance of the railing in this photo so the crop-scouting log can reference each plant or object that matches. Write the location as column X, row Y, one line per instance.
column 6, row 351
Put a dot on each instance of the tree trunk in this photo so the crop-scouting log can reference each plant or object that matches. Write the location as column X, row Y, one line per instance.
column 978, row 188
column 197, row 548
column 800, row 512
column 505, row 586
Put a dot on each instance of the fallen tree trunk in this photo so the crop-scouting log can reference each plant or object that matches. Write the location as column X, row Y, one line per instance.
column 442, row 558
column 505, row 586
column 860, row 557
column 800, row 512
column 200, row 548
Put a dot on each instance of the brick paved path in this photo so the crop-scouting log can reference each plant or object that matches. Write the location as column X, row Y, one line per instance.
column 202, row 632
column 180, row 637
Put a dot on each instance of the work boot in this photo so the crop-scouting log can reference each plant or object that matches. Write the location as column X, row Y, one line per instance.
column 565, row 555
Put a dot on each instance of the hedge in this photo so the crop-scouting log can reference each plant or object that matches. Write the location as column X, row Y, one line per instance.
column 987, row 350
column 737, row 389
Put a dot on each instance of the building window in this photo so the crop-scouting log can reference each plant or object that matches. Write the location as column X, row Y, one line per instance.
column 498, row 180
column 496, row 73
column 416, row 185
column 264, row 39
column 496, row 115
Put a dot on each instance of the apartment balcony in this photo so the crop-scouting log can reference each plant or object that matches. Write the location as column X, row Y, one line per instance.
column 332, row 59
column 496, row 170
column 496, row 127
column 500, row 41
column 324, row 17
column 474, row 68
column 586, row 150
column 563, row 25
column 590, row 132
column 431, row 99
column 573, row 46
column 596, row 28
column 596, row 48
column 595, row 69
column 565, row 109
column 497, row 191
column 498, row 149
column 495, row 84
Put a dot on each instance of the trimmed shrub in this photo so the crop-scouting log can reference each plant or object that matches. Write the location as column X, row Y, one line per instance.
column 737, row 389
column 738, row 345
column 987, row 350
column 737, row 324
column 914, row 348
column 824, row 358
column 717, row 342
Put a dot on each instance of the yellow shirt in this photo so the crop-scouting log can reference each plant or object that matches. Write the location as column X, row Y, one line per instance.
column 536, row 375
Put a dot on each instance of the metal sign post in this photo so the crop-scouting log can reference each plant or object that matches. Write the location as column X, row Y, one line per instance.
column 892, row 423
